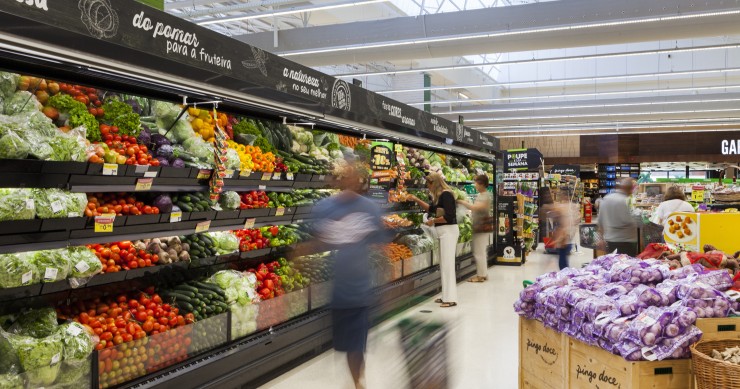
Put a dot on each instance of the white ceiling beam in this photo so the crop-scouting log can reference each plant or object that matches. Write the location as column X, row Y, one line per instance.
column 556, row 24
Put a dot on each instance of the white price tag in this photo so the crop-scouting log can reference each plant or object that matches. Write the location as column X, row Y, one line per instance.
column 175, row 217
column 56, row 358
column 262, row 187
column 289, row 176
column 26, row 277
column 245, row 173
column 73, row 330
column 51, row 273
column 110, row 169
column 82, row 266
column 56, row 206
column 322, row 177
column 202, row 226
column 30, row 204
column 229, row 173
column 276, row 176
column 150, row 174
column 249, row 223
column 141, row 168
column 73, row 214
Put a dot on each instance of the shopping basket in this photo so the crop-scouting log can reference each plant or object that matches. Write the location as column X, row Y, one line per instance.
column 713, row 373
column 650, row 233
column 424, row 347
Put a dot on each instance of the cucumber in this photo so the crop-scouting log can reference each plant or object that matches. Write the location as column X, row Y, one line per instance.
column 212, row 287
column 186, row 199
column 187, row 307
column 207, row 240
column 184, row 207
column 177, row 297
column 184, row 292
column 188, row 287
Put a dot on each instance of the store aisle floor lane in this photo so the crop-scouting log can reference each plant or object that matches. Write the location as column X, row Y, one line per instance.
column 482, row 342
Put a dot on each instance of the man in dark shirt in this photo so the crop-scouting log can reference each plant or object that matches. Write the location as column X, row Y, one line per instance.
column 348, row 223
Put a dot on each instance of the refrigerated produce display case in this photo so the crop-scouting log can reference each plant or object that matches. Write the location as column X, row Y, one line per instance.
column 153, row 189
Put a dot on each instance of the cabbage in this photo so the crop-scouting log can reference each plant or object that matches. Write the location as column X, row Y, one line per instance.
column 56, row 203
column 199, row 148
column 164, row 203
column 16, row 204
column 52, row 265
column 37, row 323
column 232, row 160
column 17, row 270
column 11, row 381
column 9, row 363
column 225, row 242
column 230, row 200
column 44, row 376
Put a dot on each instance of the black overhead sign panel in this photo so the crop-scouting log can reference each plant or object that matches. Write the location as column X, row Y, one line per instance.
column 229, row 63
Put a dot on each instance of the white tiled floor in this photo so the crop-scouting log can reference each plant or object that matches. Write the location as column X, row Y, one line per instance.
column 482, row 343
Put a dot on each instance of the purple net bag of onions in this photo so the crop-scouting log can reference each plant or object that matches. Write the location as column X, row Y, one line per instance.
column 616, row 289
column 593, row 307
column 647, row 328
column 708, row 307
column 718, row 279
column 607, row 261
column 578, row 295
column 604, row 320
column 694, row 289
column 629, row 305
column 588, row 282
column 686, row 271
column 648, row 296
column 673, row 348
column 616, row 330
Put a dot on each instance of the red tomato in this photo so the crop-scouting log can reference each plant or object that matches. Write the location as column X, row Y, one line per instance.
column 141, row 316
column 148, row 326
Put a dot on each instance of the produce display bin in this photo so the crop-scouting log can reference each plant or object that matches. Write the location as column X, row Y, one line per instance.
column 62, row 374
column 591, row 368
column 719, row 328
column 209, row 333
column 174, row 172
column 320, row 295
column 543, row 356
column 463, row 249
column 254, row 213
column 417, row 263
column 282, row 308
column 20, row 226
column 243, row 320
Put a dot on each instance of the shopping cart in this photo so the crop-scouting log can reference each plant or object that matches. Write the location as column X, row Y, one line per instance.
column 650, row 233
column 424, row 347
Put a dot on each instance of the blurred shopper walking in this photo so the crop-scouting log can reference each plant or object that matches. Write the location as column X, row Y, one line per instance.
column 565, row 219
column 483, row 226
column 348, row 223
column 615, row 220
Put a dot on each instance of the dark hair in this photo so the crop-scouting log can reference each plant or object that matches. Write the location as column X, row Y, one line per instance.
column 674, row 193
column 546, row 196
column 482, row 179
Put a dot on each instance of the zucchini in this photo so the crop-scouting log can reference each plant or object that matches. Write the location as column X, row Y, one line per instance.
column 212, row 287
column 184, row 292
column 177, row 297
column 187, row 307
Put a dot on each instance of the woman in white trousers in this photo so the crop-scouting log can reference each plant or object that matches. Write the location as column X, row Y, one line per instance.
column 442, row 216
column 482, row 226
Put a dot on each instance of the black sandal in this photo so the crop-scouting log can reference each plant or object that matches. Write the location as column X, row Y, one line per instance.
column 438, row 301
column 448, row 305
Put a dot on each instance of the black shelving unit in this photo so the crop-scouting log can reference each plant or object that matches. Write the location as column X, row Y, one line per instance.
column 609, row 174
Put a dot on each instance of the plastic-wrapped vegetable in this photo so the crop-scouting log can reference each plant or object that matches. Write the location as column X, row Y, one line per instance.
column 40, row 358
column 616, row 289
column 16, row 204
column 232, row 160
column 639, row 272
column 230, row 200
column 17, row 270
column 606, row 262
column 674, row 348
column 717, row 305
column 38, row 323
column 629, row 305
column 12, row 146
column 648, row 296
column 686, row 271
column 8, row 83
column 717, row 279
column 22, row 101
column 83, row 265
column 648, row 327
column 225, row 241
column 50, row 203
column 78, row 343
column 9, row 363
column 52, row 265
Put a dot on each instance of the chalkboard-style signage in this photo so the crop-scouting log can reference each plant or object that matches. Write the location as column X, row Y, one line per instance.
column 381, row 156
column 568, row 170
column 232, row 64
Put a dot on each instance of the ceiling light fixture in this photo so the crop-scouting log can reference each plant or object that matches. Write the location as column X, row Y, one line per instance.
column 562, row 80
column 511, row 33
column 548, row 108
column 287, row 12
column 607, row 133
column 579, row 95
column 603, row 114
column 619, row 124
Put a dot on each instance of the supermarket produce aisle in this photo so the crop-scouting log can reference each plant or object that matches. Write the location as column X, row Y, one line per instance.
column 482, row 342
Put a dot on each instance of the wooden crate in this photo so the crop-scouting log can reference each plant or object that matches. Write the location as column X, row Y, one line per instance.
column 719, row 328
column 543, row 356
column 591, row 368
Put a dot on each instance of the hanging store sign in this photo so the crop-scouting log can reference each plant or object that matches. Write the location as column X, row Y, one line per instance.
column 381, row 155
column 730, row 147
column 522, row 160
column 165, row 42
column 567, row 170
